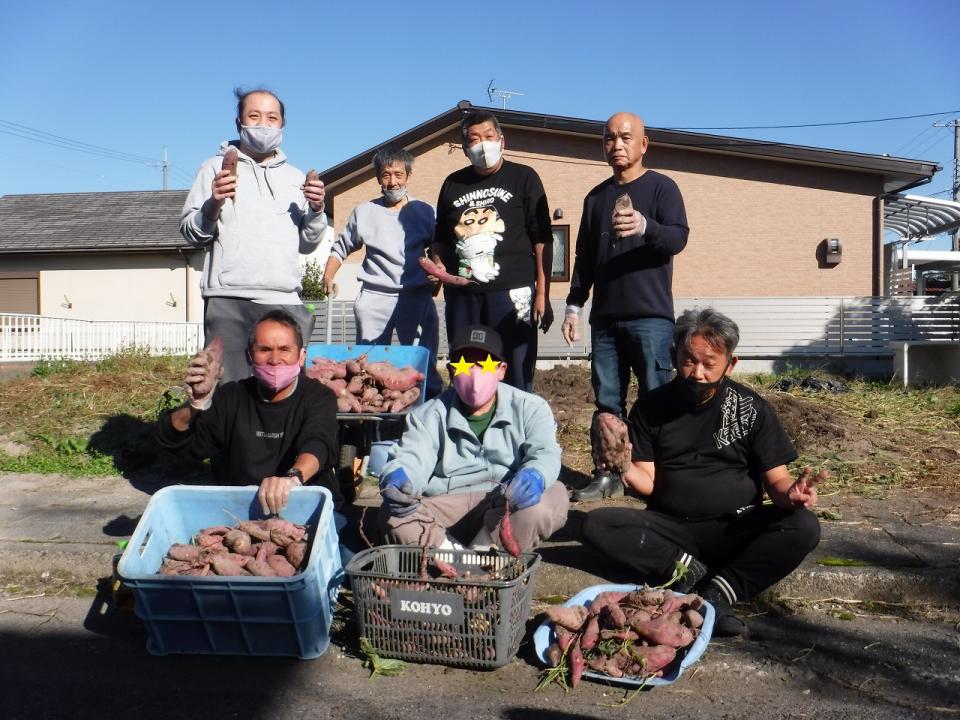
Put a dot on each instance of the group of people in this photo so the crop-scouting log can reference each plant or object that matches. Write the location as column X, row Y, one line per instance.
column 705, row 450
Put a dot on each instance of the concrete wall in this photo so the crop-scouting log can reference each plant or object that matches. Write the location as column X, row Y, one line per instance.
column 755, row 224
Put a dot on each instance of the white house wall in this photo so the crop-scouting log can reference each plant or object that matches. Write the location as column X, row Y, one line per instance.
column 132, row 286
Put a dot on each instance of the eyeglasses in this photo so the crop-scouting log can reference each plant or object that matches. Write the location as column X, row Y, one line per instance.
column 464, row 366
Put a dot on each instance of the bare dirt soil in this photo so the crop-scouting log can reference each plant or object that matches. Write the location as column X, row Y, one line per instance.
column 868, row 437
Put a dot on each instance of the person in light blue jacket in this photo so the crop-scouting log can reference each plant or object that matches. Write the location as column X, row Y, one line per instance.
column 463, row 455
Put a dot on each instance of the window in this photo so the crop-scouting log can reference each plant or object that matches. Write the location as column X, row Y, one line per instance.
column 561, row 253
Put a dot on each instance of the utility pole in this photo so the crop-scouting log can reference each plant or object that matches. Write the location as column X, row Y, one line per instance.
column 955, row 282
column 166, row 170
column 955, row 244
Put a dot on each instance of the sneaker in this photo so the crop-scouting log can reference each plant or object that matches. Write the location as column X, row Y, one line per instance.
column 696, row 571
column 605, row 484
column 725, row 623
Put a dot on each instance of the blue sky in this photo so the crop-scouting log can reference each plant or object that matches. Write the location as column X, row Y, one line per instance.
column 133, row 76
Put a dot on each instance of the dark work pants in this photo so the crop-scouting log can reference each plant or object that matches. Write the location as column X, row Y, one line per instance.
column 496, row 309
column 232, row 318
column 751, row 552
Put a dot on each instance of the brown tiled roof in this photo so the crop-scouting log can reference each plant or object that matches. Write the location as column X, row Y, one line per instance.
column 898, row 174
column 141, row 220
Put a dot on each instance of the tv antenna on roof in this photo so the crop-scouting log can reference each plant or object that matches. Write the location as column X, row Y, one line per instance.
column 504, row 95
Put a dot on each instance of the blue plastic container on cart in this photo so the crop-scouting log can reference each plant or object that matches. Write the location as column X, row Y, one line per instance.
column 232, row 615
column 400, row 355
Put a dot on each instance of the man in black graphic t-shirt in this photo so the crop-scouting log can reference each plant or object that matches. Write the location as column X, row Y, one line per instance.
column 705, row 450
column 493, row 229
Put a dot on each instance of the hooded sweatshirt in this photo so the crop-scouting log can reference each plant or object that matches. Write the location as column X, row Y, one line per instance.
column 253, row 248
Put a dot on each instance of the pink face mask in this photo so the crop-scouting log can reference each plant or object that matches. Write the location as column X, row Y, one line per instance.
column 276, row 377
column 476, row 388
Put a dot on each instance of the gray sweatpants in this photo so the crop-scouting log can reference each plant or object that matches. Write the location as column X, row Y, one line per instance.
column 232, row 318
column 411, row 313
column 461, row 517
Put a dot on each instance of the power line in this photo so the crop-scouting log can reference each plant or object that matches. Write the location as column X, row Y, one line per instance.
column 823, row 124
column 41, row 136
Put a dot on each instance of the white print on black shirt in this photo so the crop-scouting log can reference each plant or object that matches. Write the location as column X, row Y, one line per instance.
column 737, row 415
column 486, row 196
column 269, row 435
column 478, row 231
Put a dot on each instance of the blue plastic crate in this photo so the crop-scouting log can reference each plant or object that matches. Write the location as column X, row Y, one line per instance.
column 544, row 636
column 400, row 355
column 232, row 615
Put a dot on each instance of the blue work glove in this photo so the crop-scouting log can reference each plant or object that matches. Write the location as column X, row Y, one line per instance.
column 397, row 492
column 524, row 489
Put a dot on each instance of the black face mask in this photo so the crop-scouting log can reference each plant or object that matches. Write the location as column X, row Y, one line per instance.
column 699, row 395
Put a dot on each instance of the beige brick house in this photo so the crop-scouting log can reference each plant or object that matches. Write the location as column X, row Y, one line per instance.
column 758, row 211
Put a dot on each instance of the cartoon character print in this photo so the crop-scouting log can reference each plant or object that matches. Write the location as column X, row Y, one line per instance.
column 478, row 232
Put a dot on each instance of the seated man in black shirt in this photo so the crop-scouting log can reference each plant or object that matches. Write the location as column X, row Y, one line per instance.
column 704, row 449
column 276, row 429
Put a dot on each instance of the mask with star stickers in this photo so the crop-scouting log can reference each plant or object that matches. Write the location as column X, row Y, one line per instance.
column 476, row 383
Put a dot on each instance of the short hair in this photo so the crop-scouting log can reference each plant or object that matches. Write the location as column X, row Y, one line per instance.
column 719, row 331
column 277, row 316
column 387, row 156
column 241, row 95
column 478, row 118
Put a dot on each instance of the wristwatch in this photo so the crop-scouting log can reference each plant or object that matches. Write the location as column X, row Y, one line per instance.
column 295, row 473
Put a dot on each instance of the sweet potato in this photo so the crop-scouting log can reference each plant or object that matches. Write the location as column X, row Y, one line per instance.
column 692, row 619
column 265, row 549
column 223, row 565
column 238, row 541
column 230, row 158
column 349, row 403
column 281, row 566
column 260, row 568
column 591, row 634
column 297, row 532
column 337, row 386
column 570, row 618
column 610, row 442
column 184, row 553
column 665, row 630
column 553, row 655
column 322, row 367
column 387, row 375
column 405, row 400
column 431, row 268
column 653, row 657
column 612, row 616
column 507, row 539
column 311, row 176
column 577, row 665
column 255, row 528
column 296, row 553
column 355, row 384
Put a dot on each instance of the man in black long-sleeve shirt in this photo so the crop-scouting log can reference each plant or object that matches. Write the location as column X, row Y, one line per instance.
column 632, row 226
column 277, row 429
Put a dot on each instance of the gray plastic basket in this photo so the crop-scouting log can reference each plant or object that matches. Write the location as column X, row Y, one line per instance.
column 466, row 622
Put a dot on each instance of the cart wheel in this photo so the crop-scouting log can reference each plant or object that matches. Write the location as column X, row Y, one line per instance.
column 345, row 473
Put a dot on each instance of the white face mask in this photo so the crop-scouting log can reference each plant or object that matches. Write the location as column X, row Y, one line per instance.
column 485, row 154
column 393, row 196
column 260, row 138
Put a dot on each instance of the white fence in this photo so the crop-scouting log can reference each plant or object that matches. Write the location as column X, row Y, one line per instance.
column 769, row 328
column 32, row 337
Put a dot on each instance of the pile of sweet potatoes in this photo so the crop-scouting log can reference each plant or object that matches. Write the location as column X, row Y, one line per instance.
column 368, row 387
column 624, row 634
column 267, row 548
